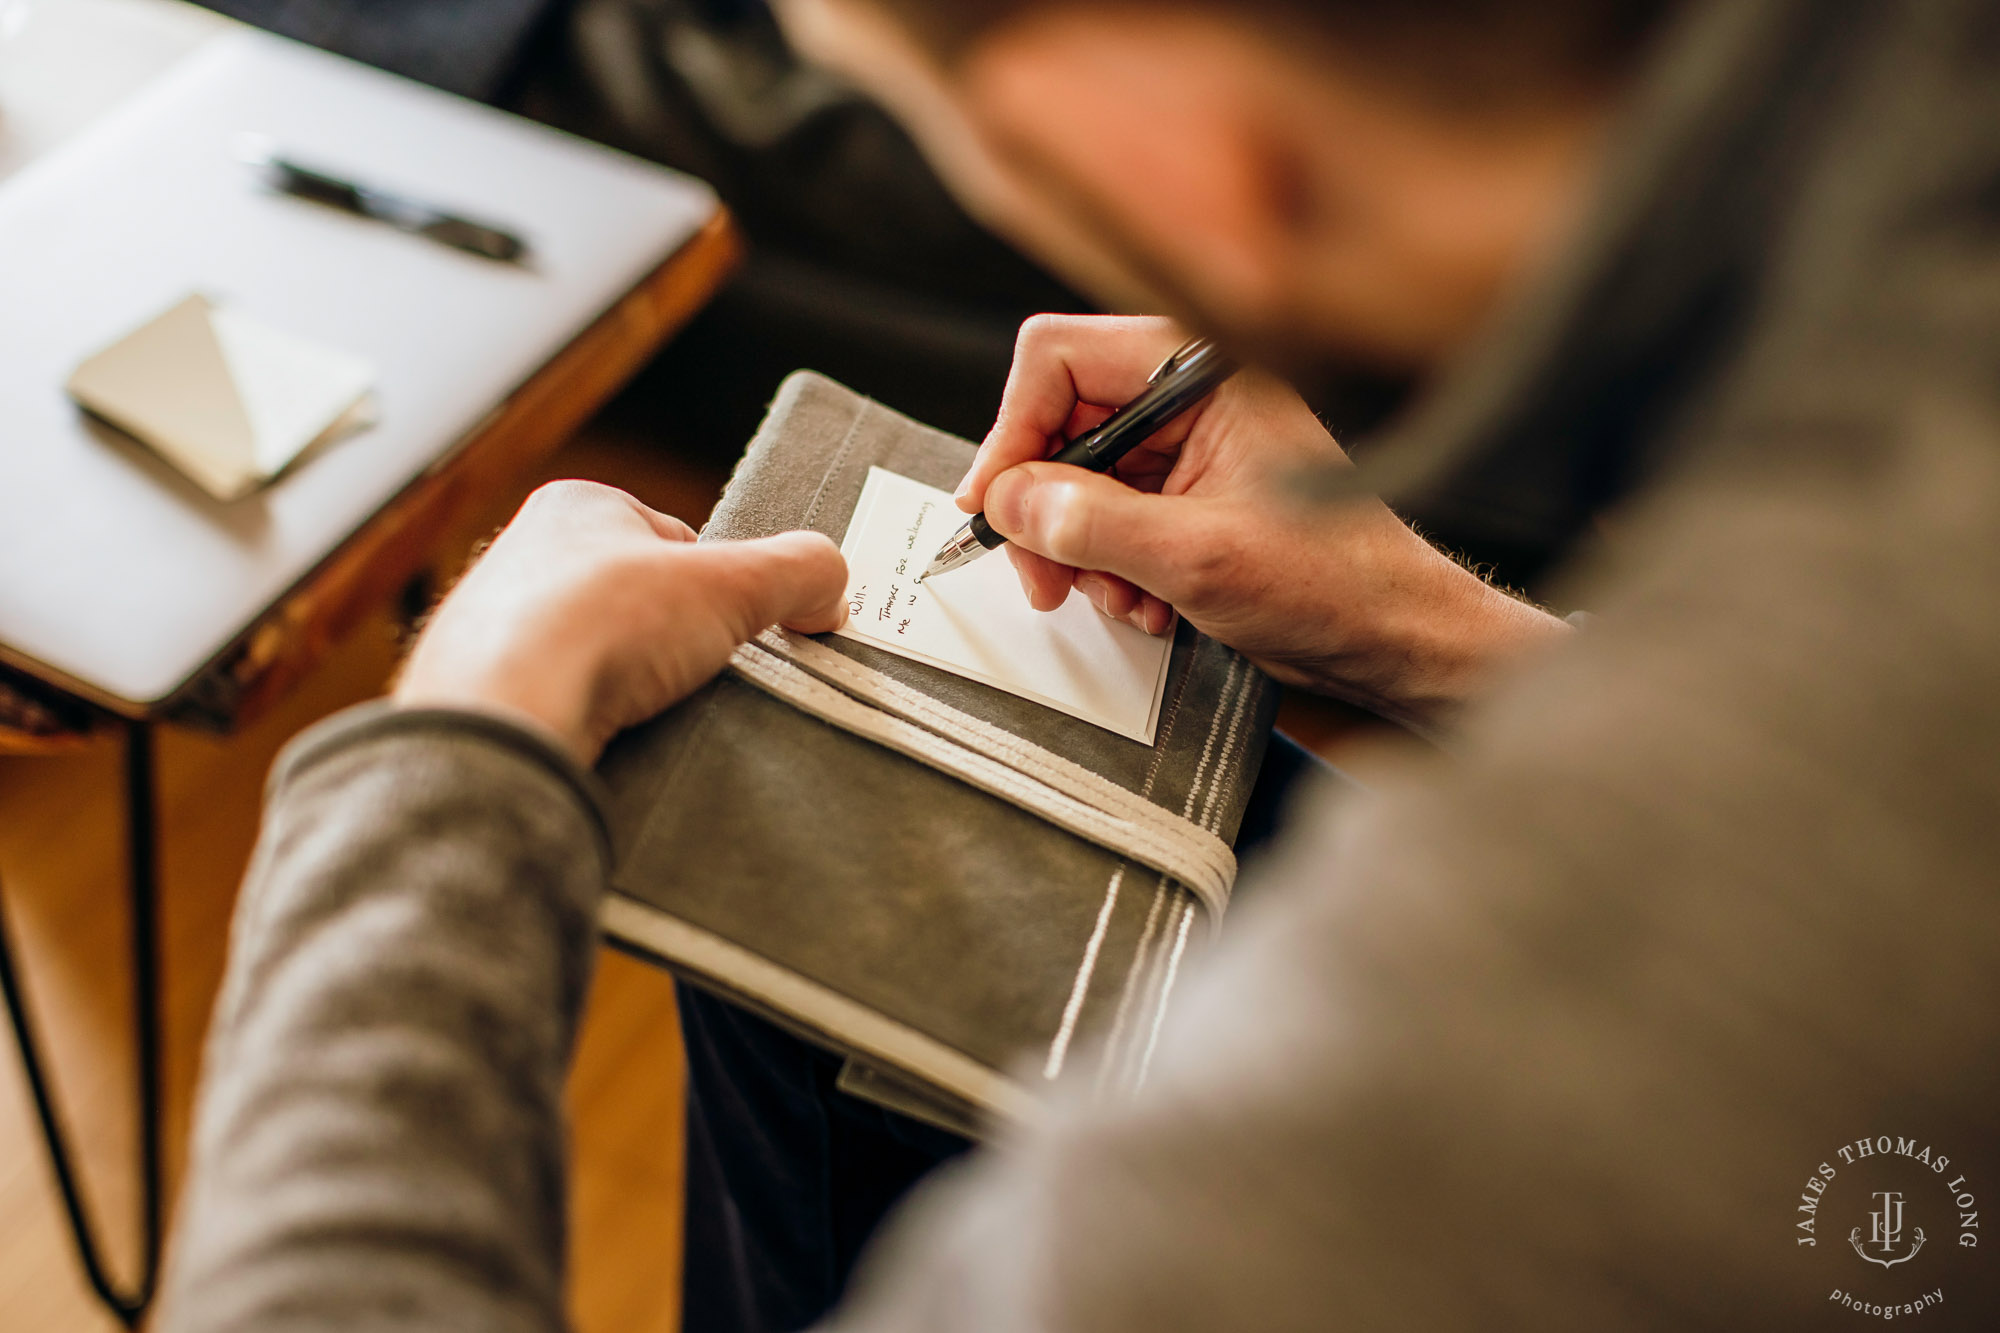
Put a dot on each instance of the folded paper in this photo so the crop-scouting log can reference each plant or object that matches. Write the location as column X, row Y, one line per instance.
column 225, row 398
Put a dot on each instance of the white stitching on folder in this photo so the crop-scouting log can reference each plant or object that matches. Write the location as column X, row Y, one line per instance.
column 1166, row 989
column 1139, row 978
column 858, row 699
column 1087, row 969
column 1180, row 936
column 1208, row 746
column 1072, row 1010
column 1228, row 748
column 1111, row 1050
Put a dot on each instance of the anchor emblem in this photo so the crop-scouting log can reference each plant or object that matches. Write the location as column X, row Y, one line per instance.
column 1886, row 1228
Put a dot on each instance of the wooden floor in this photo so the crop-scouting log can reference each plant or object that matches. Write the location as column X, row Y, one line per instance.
column 60, row 850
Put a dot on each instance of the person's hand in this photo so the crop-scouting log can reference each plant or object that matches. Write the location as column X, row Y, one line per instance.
column 591, row 612
column 1346, row 600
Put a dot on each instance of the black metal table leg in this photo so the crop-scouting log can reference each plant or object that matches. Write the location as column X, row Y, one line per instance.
column 142, row 882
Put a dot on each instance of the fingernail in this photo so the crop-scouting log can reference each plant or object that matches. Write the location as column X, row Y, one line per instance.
column 1007, row 503
column 964, row 487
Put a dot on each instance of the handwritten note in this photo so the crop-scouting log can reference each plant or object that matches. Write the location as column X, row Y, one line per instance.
column 976, row 622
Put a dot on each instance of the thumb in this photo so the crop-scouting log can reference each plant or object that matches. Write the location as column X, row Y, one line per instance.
column 797, row 579
column 1091, row 521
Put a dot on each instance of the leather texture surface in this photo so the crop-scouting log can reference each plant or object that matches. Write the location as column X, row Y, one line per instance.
column 973, row 923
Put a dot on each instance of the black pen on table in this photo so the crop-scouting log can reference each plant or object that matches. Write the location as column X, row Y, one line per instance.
column 1192, row 373
column 398, row 211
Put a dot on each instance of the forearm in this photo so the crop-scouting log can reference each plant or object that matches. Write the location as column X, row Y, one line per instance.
column 379, row 1137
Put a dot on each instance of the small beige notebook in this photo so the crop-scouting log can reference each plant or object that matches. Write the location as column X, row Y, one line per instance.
column 225, row 398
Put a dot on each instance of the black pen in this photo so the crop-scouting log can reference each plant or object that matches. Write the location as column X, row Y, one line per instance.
column 1191, row 374
column 399, row 211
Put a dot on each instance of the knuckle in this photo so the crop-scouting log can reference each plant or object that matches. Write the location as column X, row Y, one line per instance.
column 1065, row 524
column 1038, row 330
column 785, row 560
column 564, row 494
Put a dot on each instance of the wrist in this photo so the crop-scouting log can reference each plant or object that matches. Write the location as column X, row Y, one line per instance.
column 540, row 706
column 1459, row 639
column 1449, row 642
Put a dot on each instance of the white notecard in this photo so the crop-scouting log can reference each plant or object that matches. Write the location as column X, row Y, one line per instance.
column 975, row 621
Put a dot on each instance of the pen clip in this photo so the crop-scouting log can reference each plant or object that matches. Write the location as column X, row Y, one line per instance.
column 1174, row 359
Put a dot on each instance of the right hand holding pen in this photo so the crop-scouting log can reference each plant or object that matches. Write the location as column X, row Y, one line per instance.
column 1345, row 600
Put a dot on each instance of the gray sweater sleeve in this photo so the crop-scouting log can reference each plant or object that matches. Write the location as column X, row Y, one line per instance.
column 378, row 1140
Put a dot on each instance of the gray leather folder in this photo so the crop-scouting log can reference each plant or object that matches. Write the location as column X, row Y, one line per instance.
column 958, row 949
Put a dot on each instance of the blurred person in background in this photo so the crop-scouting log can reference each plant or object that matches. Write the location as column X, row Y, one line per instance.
column 1548, row 1029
